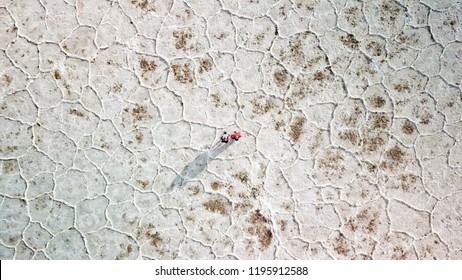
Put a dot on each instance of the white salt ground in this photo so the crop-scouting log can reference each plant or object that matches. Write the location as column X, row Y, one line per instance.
column 111, row 113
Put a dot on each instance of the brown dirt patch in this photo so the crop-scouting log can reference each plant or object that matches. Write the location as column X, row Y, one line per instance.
column 349, row 136
column 281, row 77
column 218, row 205
column 194, row 190
column 341, row 245
column 183, row 73
column 182, row 39
column 243, row 176
column 255, row 191
column 296, row 128
column 117, row 87
column 216, row 99
column 296, row 49
column 243, row 207
column 375, row 48
column 372, row 168
column 331, row 160
column 407, row 181
column 205, row 65
column 139, row 113
column 57, row 75
column 396, row 154
column 352, row 15
column 147, row 66
column 322, row 76
column 364, row 220
column 380, row 121
column 261, row 228
column 76, row 113
column 372, row 144
column 143, row 184
column 124, row 255
column 139, row 137
column 355, row 117
column 390, row 11
column 216, row 185
column 262, row 106
column 155, row 239
column 142, row 4
column 282, row 225
column 278, row 125
column 378, row 101
column 426, row 118
column 7, row 80
column 402, row 87
column 399, row 253
column 408, row 127
column 350, row 41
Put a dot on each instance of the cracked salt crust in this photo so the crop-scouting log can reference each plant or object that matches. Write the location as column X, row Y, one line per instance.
column 111, row 111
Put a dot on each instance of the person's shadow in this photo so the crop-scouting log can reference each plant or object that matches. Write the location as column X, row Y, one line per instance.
column 199, row 164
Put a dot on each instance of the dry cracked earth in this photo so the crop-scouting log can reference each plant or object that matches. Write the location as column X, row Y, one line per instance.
column 110, row 114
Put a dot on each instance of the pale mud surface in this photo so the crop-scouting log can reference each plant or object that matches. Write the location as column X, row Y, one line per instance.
column 350, row 111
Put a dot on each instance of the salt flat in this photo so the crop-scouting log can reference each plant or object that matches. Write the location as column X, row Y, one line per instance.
column 111, row 113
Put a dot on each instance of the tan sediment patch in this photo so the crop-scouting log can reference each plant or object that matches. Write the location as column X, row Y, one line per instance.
column 147, row 66
column 380, row 121
column 77, row 113
column 426, row 118
column 296, row 128
column 402, row 87
column 218, row 205
column 57, row 75
column 350, row 136
column 217, row 100
column 353, row 15
column 278, row 125
column 408, row 127
column 330, row 161
column 353, row 119
column 243, row 207
column 141, row 4
column 216, row 185
column 117, row 87
column 262, row 106
column 182, row 39
column 342, row 245
column 375, row 48
column 281, row 77
column 260, row 226
column 395, row 154
column 143, row 184
column 243, row 176
column 155, row 239
column 183, row 73
column 205, row 65
column 373, row 143
column 139, row 137
column 7, row 80
column 148, row 233
column 139, row 113
column 407, row 181
column 194, row 190
column 350, row 41
column 378, row 101
column 323, row 76
column 282, row 225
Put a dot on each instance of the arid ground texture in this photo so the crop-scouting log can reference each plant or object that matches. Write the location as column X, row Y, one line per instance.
column 111, row 113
